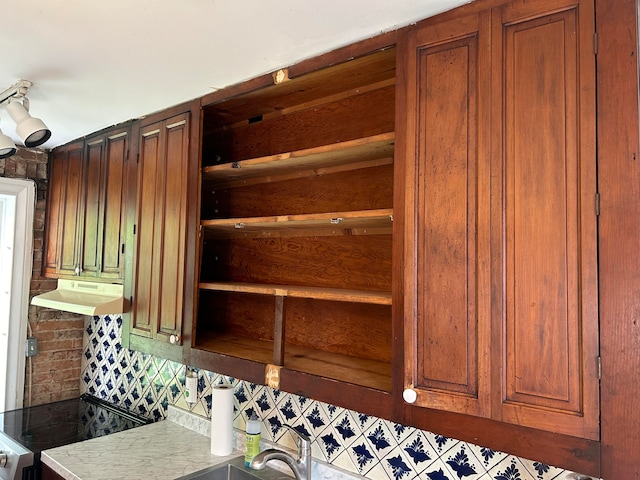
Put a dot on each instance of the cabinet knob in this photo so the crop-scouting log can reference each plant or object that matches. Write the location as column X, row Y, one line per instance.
column 174, row 339
column 409, row 395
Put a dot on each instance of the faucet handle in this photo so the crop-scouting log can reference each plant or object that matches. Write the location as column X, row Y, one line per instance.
column 302, row 440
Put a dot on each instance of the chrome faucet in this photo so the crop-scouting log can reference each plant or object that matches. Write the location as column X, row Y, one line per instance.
column 301, row 466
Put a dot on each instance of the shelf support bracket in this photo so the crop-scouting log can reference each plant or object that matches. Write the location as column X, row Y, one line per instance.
column 278, row 334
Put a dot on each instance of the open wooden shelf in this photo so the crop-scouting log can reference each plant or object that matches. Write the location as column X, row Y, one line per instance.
column 334, row 294
column 358, row 222
column 353, row 75
column 355, row 152
column 358, row 371
column 235, row 346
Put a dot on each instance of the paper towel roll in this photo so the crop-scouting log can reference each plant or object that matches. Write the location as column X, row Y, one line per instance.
column 222, row 420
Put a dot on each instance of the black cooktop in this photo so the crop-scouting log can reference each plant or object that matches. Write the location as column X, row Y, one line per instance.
column 56, row 424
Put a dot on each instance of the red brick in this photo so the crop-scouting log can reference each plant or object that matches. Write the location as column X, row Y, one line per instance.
column 10, row 167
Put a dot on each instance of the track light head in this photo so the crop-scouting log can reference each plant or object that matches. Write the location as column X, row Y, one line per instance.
column 31, row 130
column 7, row 147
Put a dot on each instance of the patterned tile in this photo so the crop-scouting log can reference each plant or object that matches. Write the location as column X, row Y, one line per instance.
column 420, row 454
column 372, row 447
column 460, row 463
column 346, row 428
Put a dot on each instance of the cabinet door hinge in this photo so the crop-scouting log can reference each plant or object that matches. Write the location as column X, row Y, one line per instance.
column 597, row 204
column 599, row 367
column 595, row 43
column 137, row 158
column 134, row 229
column 122, row 249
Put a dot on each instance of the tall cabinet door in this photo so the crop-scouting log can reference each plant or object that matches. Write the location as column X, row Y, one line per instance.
column 95, row 153
column 57, row 185
column 112, row 216
column 159, row 271
column 546, row 253
column 447, row 233
column 103, row 218
column 69, row 164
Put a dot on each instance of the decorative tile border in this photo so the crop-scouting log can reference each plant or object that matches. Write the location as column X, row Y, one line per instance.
column 360, row 444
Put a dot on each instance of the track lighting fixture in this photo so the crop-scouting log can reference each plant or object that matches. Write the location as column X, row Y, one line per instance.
column 7, row 147
column 32, row 131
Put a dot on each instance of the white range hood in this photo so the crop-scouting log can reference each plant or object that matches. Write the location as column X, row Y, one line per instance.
column 86, row 298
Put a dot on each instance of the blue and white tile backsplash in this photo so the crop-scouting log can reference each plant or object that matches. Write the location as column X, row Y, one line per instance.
column 358, row 443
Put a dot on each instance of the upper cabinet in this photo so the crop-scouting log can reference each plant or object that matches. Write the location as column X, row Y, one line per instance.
column 500, row 265
column 88, row 183
column 297, row 229
column 156, row 284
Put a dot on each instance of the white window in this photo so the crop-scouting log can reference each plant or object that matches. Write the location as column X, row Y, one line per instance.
column 17, row 202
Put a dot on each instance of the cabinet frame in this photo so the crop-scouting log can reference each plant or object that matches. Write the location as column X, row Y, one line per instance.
column 154, row 338
column 325, row 159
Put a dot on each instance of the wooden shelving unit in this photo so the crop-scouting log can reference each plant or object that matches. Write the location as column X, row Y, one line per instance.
column 297, row 226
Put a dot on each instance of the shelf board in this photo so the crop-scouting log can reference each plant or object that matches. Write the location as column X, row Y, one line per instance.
column 318, row 293
column 359, row 371
column 359, row 222
column 362, row 150
column 352, row 75
column 235, row 346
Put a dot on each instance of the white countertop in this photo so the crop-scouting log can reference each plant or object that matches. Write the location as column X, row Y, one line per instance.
column 162, row 451
column 165, row 450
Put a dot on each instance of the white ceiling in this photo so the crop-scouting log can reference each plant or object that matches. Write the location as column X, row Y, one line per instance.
column 96, row 63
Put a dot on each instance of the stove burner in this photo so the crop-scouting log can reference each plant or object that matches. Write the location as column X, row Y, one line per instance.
column 28, row 418
column 63, row 433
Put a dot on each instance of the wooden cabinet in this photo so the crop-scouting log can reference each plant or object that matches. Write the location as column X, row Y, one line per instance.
column 49, row 474
column 296, row 225
column 500, row 263
column 160, row 230
column 86, row 207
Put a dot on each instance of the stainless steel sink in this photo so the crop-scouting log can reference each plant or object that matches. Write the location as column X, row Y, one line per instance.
column 234, row 469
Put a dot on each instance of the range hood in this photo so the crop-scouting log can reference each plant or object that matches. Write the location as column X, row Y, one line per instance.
column 86, row 298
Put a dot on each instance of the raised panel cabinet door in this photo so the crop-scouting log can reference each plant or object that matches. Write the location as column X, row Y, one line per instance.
column 112, row 212
column 547, row 315
column 89, row 212
column 159, row 270
column 104, row 215
column 446, row 82
column 70, row 208
column 172, row 227
column 145, row 268
column 57, row 186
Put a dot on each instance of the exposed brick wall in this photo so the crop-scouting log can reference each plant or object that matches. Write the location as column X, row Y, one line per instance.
column 54, row 374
